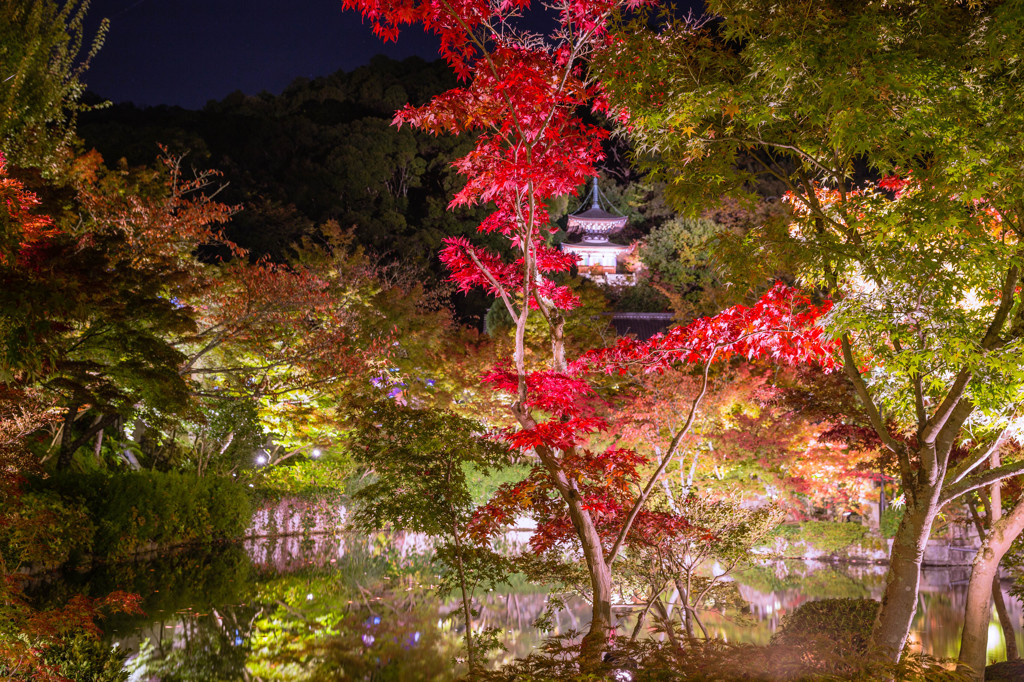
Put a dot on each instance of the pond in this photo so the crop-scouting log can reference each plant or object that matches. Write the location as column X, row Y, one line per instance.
column 363, row 607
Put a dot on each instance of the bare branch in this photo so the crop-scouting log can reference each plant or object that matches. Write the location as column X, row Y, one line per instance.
column 669, row 454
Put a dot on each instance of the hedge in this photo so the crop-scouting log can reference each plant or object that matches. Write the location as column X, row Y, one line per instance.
column 133, row 512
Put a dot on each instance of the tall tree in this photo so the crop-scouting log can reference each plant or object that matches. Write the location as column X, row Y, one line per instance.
column 924, row 274
column 91, row 306
column 41, row 68
column 521, row 101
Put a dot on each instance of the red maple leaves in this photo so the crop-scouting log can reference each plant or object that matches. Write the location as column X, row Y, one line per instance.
column 781, row 326
column 521, row 101
column 26, row 235
column 472, row 266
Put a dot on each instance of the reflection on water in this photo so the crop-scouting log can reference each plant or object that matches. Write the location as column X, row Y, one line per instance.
column 364, row 608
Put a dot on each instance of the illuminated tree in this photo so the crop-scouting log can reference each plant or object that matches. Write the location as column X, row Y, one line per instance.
column 923, row 268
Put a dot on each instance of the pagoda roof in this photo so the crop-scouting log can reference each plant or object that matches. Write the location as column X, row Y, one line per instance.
column 597, row 213
column 596, row 220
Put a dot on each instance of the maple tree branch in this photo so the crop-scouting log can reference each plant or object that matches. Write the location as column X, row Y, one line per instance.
column 960, row 471
column 793, row 148
column 494, row 283
column 861, row 388
column 954, row 396
column 915, row 380
column 989, row 477
column 669, row 454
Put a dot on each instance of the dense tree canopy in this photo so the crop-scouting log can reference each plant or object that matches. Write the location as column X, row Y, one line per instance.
column 924, row 265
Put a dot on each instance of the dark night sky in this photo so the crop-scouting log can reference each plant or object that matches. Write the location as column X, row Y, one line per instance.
column 187, row 52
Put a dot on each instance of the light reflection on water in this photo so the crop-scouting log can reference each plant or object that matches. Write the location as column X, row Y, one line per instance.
column 351, row 607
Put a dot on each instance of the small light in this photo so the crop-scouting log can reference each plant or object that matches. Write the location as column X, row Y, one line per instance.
column 261, row 460
column 309, row 597
column 316, row 453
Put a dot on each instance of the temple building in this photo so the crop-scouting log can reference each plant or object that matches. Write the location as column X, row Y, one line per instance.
column 600, row 259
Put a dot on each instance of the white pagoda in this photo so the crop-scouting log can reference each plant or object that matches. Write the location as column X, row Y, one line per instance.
column 598, row 258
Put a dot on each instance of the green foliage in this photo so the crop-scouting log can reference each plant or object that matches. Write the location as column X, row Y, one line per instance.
column 483, row 482
column 916, row 89
column 324, row 478
column 417, row 457
column 235, row 421
column 843, row 623
column 42, row 529
column 827, row 536
column 40, row 42
column 84, row 658
column 891, row 519
column 420, row 460
column 135, row 511
column 641, row 298
column 679, row 255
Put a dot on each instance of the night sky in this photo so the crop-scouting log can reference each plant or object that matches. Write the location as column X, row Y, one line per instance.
column 187, row 52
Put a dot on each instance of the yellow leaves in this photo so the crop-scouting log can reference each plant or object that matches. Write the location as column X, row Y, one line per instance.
column 730, row 109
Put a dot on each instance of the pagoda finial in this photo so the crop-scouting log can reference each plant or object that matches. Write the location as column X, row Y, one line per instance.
column 596, row 203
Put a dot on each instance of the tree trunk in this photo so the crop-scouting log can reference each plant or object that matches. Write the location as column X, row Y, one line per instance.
column 899, row 601
column 596, row 640
column 1009, row 631
column 467, row 609
column 65, row 451
column 978, row 612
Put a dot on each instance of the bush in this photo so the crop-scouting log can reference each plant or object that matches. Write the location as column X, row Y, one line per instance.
column 43, row 529
column 77, row 657
column 84, row 658
column 827, row 536
column 846, row 623
column 131, row 512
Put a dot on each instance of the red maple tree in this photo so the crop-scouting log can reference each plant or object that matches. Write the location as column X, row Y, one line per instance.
column 521, row 99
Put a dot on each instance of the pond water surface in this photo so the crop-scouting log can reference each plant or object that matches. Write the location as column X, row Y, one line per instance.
column 363, row 607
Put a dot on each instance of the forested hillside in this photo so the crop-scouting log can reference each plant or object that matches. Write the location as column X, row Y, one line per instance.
column 323, row 150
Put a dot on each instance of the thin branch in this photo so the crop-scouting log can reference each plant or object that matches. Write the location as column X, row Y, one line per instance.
column 669, row 454
column 980, row 481
column 960, row 471
column 861, row 388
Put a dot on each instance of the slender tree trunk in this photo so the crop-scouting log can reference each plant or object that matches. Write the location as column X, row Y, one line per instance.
column 978, row 612
column 98, row 448
column 1005, row 621
column 995, row 513
column 596, row 640
column 467, row 609
column 65, row 451
column 899, row 601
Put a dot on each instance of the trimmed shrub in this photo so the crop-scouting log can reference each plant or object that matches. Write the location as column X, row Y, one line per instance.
column 844, row 623
column 135, row 511
column 84, row 657
column 826, row 536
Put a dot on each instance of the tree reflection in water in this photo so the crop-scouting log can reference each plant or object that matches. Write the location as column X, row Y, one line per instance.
column 363, row 608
